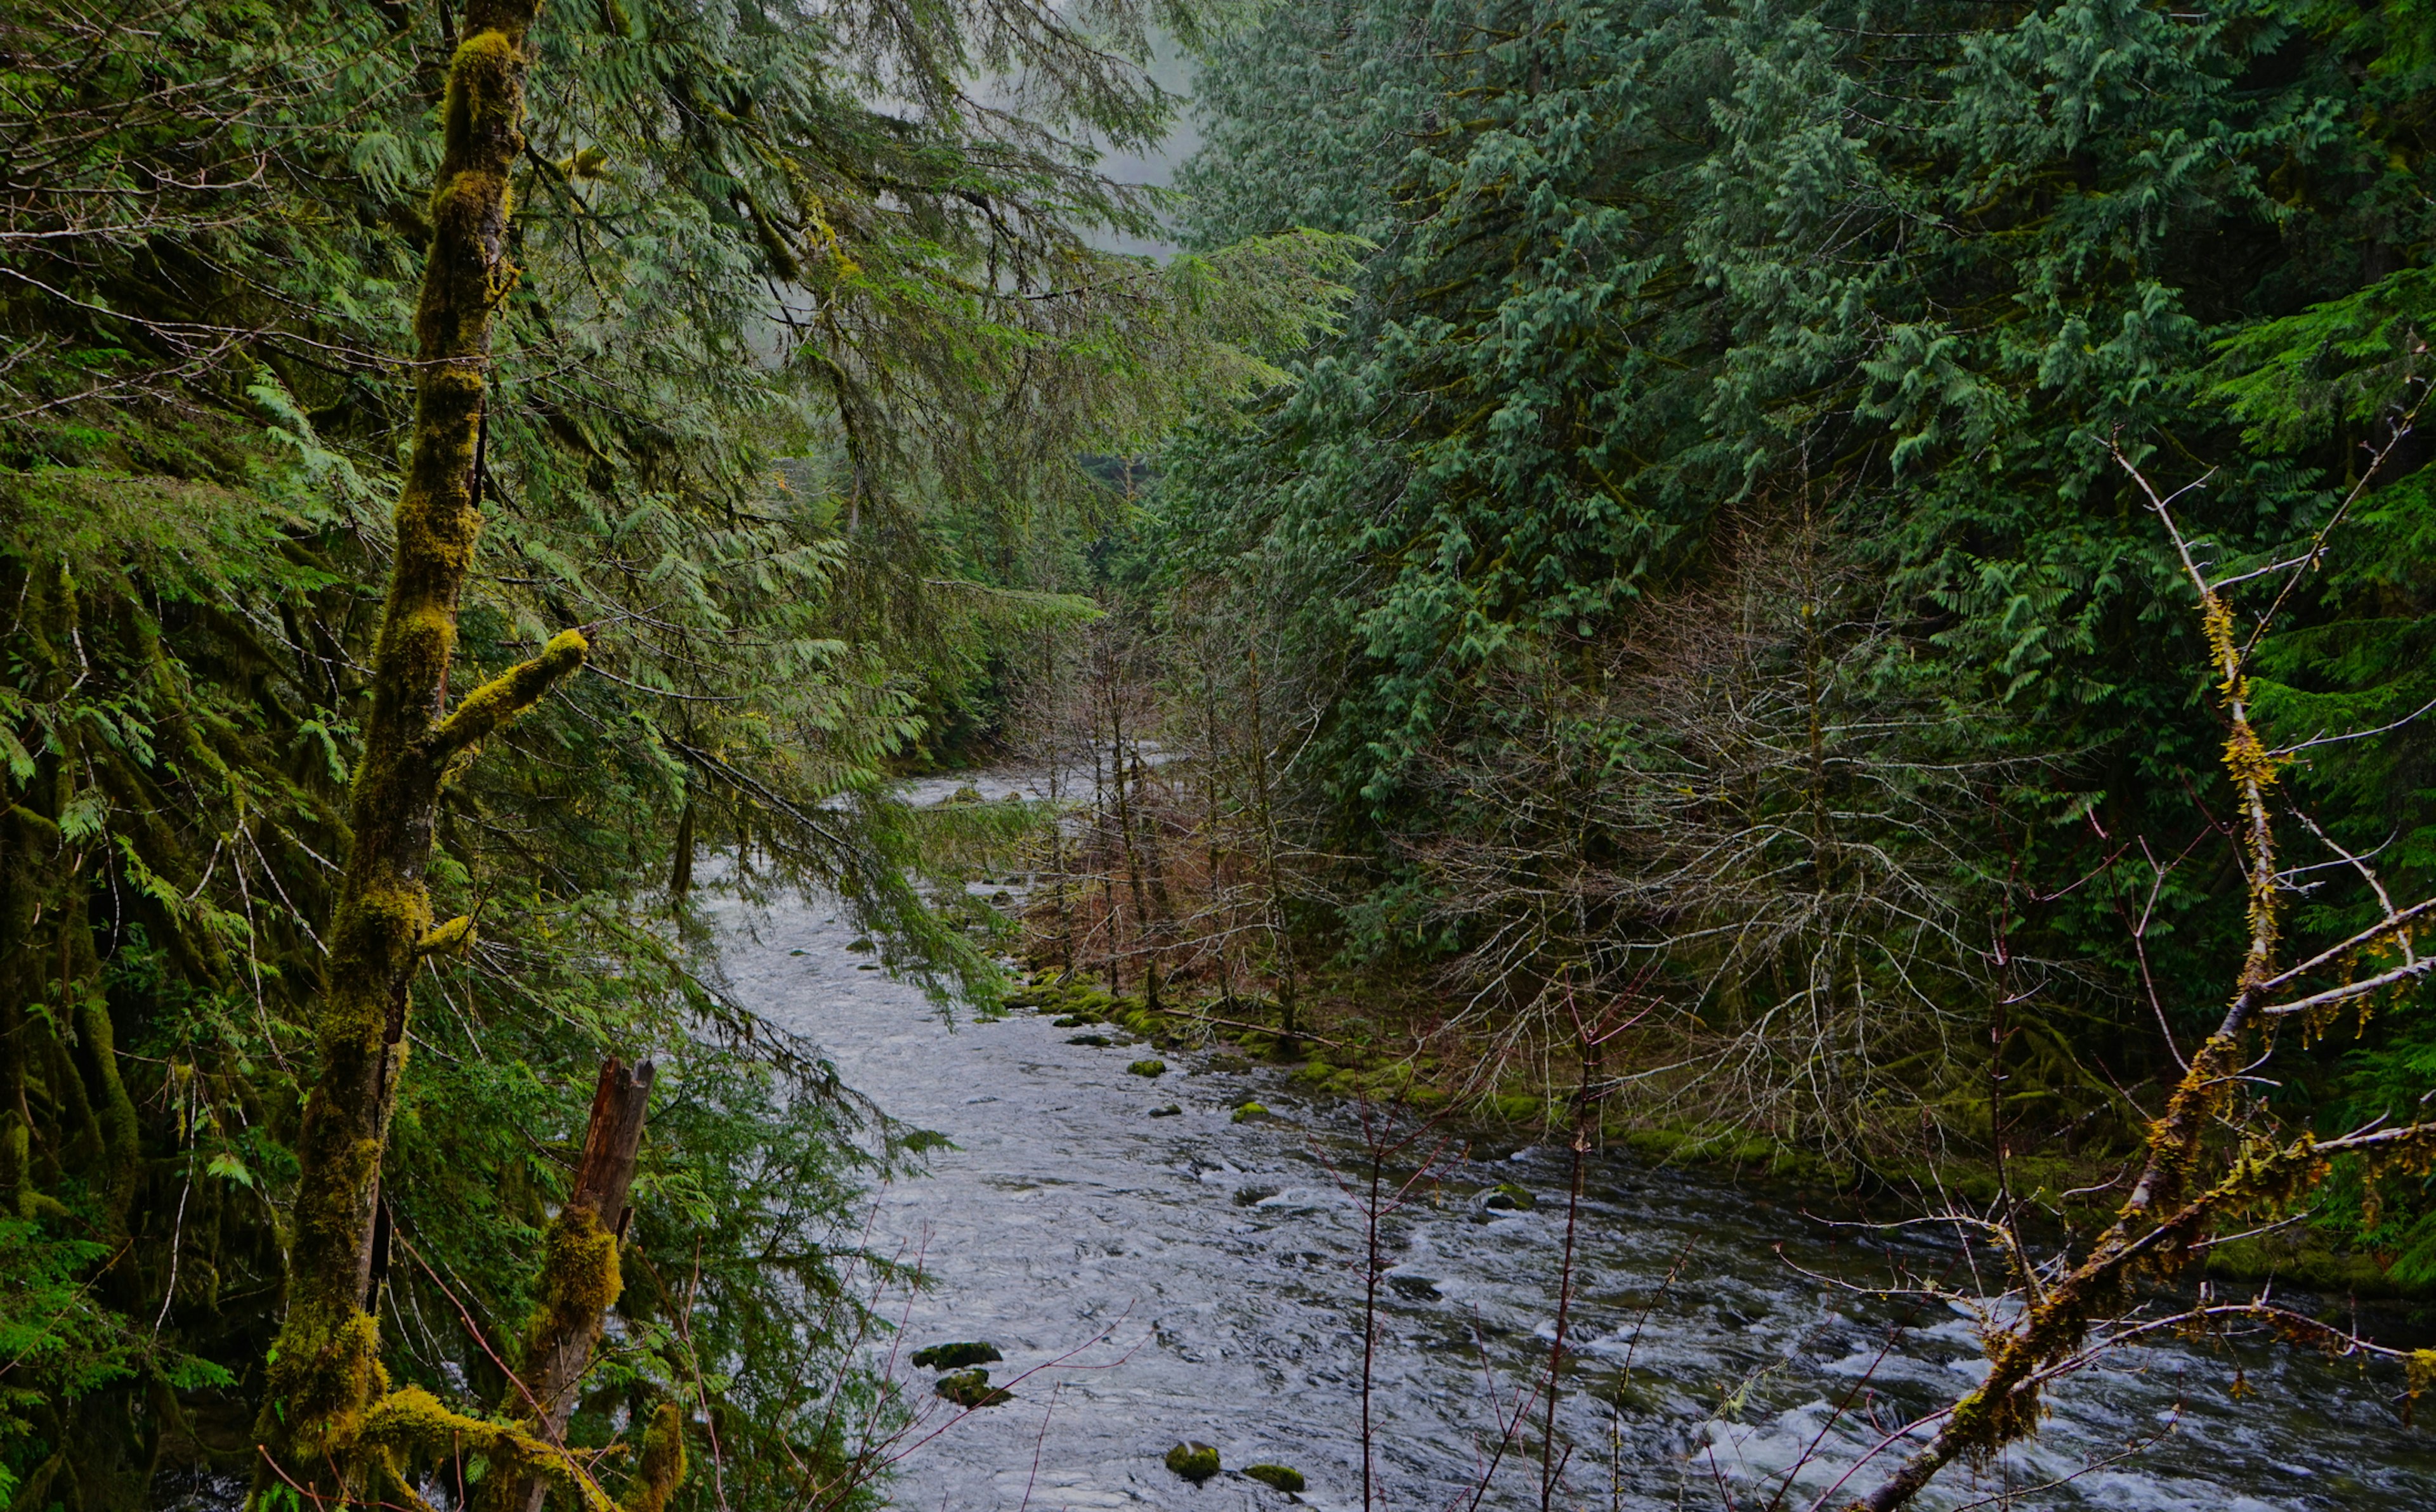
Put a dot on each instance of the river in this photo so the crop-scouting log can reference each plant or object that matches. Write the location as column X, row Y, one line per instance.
column 1219, row 1265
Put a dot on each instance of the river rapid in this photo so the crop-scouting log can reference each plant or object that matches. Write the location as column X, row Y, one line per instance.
column 1219, row 1265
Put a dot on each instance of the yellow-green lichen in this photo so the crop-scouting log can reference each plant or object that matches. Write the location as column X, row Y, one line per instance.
column 579, row 1280
column 662, row 1468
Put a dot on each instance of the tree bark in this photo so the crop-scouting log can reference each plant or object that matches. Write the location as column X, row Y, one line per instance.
column 324, row 1370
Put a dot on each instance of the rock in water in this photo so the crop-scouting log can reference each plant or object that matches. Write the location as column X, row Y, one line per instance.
column 1507, row 1197
column 1284, row 1477
column 957, row 1356
column 1148, row 1067
column 1250, row 1113
column 1195, row 1462
column 972, row 1388
column 1103, row 1041
column 1170, row 1111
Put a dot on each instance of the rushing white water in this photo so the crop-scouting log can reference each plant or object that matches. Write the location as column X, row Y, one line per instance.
column 1221, row 1265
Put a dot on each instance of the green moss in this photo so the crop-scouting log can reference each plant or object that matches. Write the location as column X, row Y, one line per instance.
column 956, row 1356
column 580, row 1280
column 1195, row 1462
column 1250, row 1113
column 1284, row 1477
column 1509, row 1197
column 662, row 1468
column 1151, row 1067
column 2299, row 1258
column 414, row 1424
column 971, row 1389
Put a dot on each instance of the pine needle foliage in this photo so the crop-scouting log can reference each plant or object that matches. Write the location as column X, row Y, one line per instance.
column 806, row 305
column 1641, row 271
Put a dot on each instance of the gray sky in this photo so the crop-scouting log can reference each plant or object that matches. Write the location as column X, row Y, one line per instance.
column 1174, row 73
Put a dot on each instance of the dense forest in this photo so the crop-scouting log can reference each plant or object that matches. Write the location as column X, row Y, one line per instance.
column 1841, row 592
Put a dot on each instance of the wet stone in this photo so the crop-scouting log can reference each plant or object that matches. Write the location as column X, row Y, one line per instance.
column 972, row 1388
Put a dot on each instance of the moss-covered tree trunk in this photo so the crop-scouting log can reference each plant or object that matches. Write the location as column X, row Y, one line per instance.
column 324, row 1371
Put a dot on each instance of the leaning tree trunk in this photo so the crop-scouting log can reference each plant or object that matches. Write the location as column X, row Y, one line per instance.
column 578, row 1279
column 324, row 1371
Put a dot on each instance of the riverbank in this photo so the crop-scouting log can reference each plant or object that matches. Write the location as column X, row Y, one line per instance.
column 2056, row 1190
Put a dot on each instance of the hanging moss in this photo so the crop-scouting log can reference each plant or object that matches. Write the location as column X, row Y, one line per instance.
column 580, row 1280
column 662, row 1468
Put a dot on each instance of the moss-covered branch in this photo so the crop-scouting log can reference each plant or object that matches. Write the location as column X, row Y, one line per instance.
column 504, row 697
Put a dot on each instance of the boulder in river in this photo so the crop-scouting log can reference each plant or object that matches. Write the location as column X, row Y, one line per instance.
column 1103, row 1041
column 1284, row 1477
column 1170, row 1111
column 1251, row 1113
column 957, row 1356
column 1148, row 1067
column 1196, row 1462
column 972, row 1388
column 1507, row 1197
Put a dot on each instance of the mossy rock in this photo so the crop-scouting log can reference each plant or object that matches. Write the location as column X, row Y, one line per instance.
column 860, row 944
column 1072, row 1021
column 957, row 1356
column 1170, row 1111
column 968, row 793
column 1195, row 1462
column 1252, row 1113
column 1507, row 1197
column 1284, row 1477
column 1148, row 1068
column 972, row 1388
column 1101, row 1041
